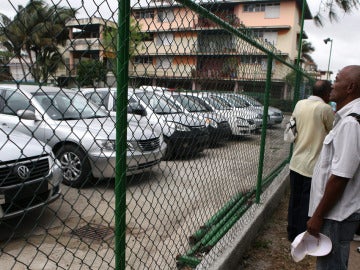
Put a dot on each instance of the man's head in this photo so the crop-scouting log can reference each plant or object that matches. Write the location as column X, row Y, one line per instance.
column 346, row 87
column 322, row 88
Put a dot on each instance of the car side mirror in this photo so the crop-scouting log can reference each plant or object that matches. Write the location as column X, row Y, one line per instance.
column 136, row 108
column 26, row 114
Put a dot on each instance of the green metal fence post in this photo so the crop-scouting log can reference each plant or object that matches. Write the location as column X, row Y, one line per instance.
column 264, row 126
column 122, row 57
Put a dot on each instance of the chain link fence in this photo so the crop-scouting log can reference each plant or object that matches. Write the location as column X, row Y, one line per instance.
column 135, row 149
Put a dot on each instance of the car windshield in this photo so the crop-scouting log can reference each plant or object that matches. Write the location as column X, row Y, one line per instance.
column 202, row 102
column 236, row 102
column 190, row 104
column 252, row 101
column 218, row 103
column 68, row 106
column 158, row 104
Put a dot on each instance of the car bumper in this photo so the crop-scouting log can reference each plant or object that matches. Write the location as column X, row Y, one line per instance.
column 103, row 165
column 19, row 199
column 187, row 142
column 219, row 134
column 276, row 119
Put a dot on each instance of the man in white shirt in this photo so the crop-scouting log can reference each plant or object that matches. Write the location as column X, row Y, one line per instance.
column 314, row 119
column 335, row 190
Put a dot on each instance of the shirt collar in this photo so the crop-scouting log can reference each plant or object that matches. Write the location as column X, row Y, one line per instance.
column 315, row 98
column 346, row 110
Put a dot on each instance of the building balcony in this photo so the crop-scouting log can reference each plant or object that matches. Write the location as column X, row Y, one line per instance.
column 88, row 44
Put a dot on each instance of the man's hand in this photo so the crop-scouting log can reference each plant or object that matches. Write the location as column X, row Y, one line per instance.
column 314, row 225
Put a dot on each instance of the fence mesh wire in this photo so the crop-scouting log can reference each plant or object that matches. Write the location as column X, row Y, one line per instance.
column 201, row 140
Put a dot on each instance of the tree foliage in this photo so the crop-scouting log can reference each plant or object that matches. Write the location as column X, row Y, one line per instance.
column 330, row 9
column 111, row 35
column 91, row 72
column 37, row 29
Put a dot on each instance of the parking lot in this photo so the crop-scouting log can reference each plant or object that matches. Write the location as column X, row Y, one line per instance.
column 164, row 207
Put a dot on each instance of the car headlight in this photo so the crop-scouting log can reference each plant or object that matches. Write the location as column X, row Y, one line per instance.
column 131, row 145
column 180, row 127
column 210, row 122
column 106, row 144
column 242, row 122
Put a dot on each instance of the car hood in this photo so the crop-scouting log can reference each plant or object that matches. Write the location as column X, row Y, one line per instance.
column 274, row 110
column 15, row 145
column 101, row 128
column 140, row 130
column 217, row 117
column 184, row 119
column 104, row 128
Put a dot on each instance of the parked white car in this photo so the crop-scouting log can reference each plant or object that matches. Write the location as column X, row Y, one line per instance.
column 81, row 134
column 239, row 105
column 218, row 125
column 241, row 124
column 183, row 134
column 30, row 176
column 275, row 114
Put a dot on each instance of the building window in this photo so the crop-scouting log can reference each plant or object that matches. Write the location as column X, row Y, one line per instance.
column 270, row 9
column 268, row 36
column 143, row 60
column 252, row 59
column 166, row 16
column 254, row 7
column 165, row 39
column 163, row 62
column 144, row 14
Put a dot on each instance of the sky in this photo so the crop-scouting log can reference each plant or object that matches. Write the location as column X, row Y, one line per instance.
column 344, row 33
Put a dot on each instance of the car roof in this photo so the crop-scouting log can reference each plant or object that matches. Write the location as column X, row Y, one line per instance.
column 32, row 88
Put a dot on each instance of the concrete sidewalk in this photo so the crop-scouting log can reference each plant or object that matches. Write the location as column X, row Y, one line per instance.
column 354, row 259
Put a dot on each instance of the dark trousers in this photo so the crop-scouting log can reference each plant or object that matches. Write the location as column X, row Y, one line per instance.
column 298, row 204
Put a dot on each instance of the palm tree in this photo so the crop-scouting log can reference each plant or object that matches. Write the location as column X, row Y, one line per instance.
column 330, row 6
column 306, row 49
column 38, row 29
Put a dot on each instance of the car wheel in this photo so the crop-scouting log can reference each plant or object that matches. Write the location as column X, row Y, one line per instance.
column 75, row 166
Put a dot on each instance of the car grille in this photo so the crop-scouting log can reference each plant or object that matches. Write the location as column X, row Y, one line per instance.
column 37, row 166
column 197, row 127
column 224, row 124
column 251, row 121
column 149, row 145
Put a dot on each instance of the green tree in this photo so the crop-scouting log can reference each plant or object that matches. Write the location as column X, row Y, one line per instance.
column 331, row 7
column 37, row 29
column 306, row 49
column 91, row 72
column 110, row 40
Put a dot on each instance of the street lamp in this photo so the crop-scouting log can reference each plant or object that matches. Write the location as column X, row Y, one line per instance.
column 328, row 70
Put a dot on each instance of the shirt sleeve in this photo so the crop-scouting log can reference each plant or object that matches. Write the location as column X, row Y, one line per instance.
column 329, row 116
column 346, row 157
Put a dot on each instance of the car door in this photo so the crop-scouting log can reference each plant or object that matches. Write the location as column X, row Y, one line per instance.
column 12, row 102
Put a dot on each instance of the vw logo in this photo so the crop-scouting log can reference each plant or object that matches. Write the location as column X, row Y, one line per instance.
column 22, row 171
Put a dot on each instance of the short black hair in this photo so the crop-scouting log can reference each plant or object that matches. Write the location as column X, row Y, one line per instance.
column 321, row 87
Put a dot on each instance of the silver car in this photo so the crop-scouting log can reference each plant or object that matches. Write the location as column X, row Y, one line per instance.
column 241, row 124
column 30, row 176
column 81, row 134
column 275, row 114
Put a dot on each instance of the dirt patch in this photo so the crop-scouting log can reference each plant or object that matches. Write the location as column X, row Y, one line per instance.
column 271, row 249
